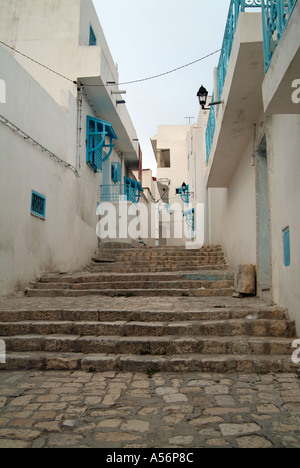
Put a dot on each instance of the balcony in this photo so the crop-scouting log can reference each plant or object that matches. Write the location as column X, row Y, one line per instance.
column 236, row 8
column 230, row 125
column 281, row 19
column 130, row 191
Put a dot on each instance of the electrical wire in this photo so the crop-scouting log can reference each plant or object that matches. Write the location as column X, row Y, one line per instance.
column 38, row 63
column 113, row 84
column 161, row 74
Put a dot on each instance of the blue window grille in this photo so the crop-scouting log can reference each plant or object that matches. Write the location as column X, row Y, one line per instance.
column 93, row 39
column 100, row 135
column 38, row 205
column 116, row 172
column 286, row 247
column 132, row 190
column 275, row 16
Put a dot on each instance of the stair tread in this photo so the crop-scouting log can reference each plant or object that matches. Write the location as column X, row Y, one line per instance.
column 189, row 362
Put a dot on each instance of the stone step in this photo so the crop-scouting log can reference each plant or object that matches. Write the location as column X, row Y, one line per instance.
column 123, row 268
column 144, row 257
column 188, row 284
column 163, row 345
column 130, row 292
column 251, row 315
column 150, row 364
column 169, row 261
column 271, row 328
column 204, row 275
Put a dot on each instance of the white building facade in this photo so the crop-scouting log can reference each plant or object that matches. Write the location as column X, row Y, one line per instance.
column 248, row 166
column 67, row 140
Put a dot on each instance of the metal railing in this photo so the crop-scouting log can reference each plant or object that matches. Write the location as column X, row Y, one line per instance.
column 275, row 17
column 210, row 130
column 131, row 191
column 236, row 7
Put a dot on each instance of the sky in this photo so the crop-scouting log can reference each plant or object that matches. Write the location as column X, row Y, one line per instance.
column 149, row 37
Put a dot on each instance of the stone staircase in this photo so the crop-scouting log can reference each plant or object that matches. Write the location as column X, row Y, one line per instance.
column 80, row 327
column 144, row 272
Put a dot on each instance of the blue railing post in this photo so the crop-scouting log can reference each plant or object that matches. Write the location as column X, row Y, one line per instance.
column 275, row 17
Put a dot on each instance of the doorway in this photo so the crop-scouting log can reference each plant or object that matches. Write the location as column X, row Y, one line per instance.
column 264, row 284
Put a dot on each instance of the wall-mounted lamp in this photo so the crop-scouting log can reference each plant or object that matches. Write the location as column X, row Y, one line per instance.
column 202, row 96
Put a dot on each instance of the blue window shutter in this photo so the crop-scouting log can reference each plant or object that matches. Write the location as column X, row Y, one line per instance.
column 98, row 132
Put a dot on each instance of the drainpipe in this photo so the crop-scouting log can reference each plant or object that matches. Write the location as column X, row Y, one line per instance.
column 79, row 128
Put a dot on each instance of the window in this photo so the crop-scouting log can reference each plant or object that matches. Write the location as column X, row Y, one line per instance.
column 286, row 247
column 38, row 205
column 100, row 135
column 93, row 39
column 116, row 172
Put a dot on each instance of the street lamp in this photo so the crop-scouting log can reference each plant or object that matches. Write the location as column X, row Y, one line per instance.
column 202, row 96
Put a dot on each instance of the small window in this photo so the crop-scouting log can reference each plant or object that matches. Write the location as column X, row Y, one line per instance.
column 286, row 247
column 93, row 39
column 38, row 205
column 116, row 172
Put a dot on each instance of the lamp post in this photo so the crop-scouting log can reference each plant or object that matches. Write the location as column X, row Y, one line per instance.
column 202, row 96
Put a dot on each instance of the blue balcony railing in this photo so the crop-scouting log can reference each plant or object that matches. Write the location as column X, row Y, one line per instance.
column 131, row 191
column 210, row 130
column 275, row 16
column 236, row 7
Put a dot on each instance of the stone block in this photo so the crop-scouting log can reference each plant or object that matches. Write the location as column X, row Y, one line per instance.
column 245, row 279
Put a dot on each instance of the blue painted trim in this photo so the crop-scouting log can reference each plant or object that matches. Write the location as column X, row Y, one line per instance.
column 286, row 247
column 93, row 38
column 38, row 205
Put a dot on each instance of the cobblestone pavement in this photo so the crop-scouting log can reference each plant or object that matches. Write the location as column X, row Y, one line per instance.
column 130, row 410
